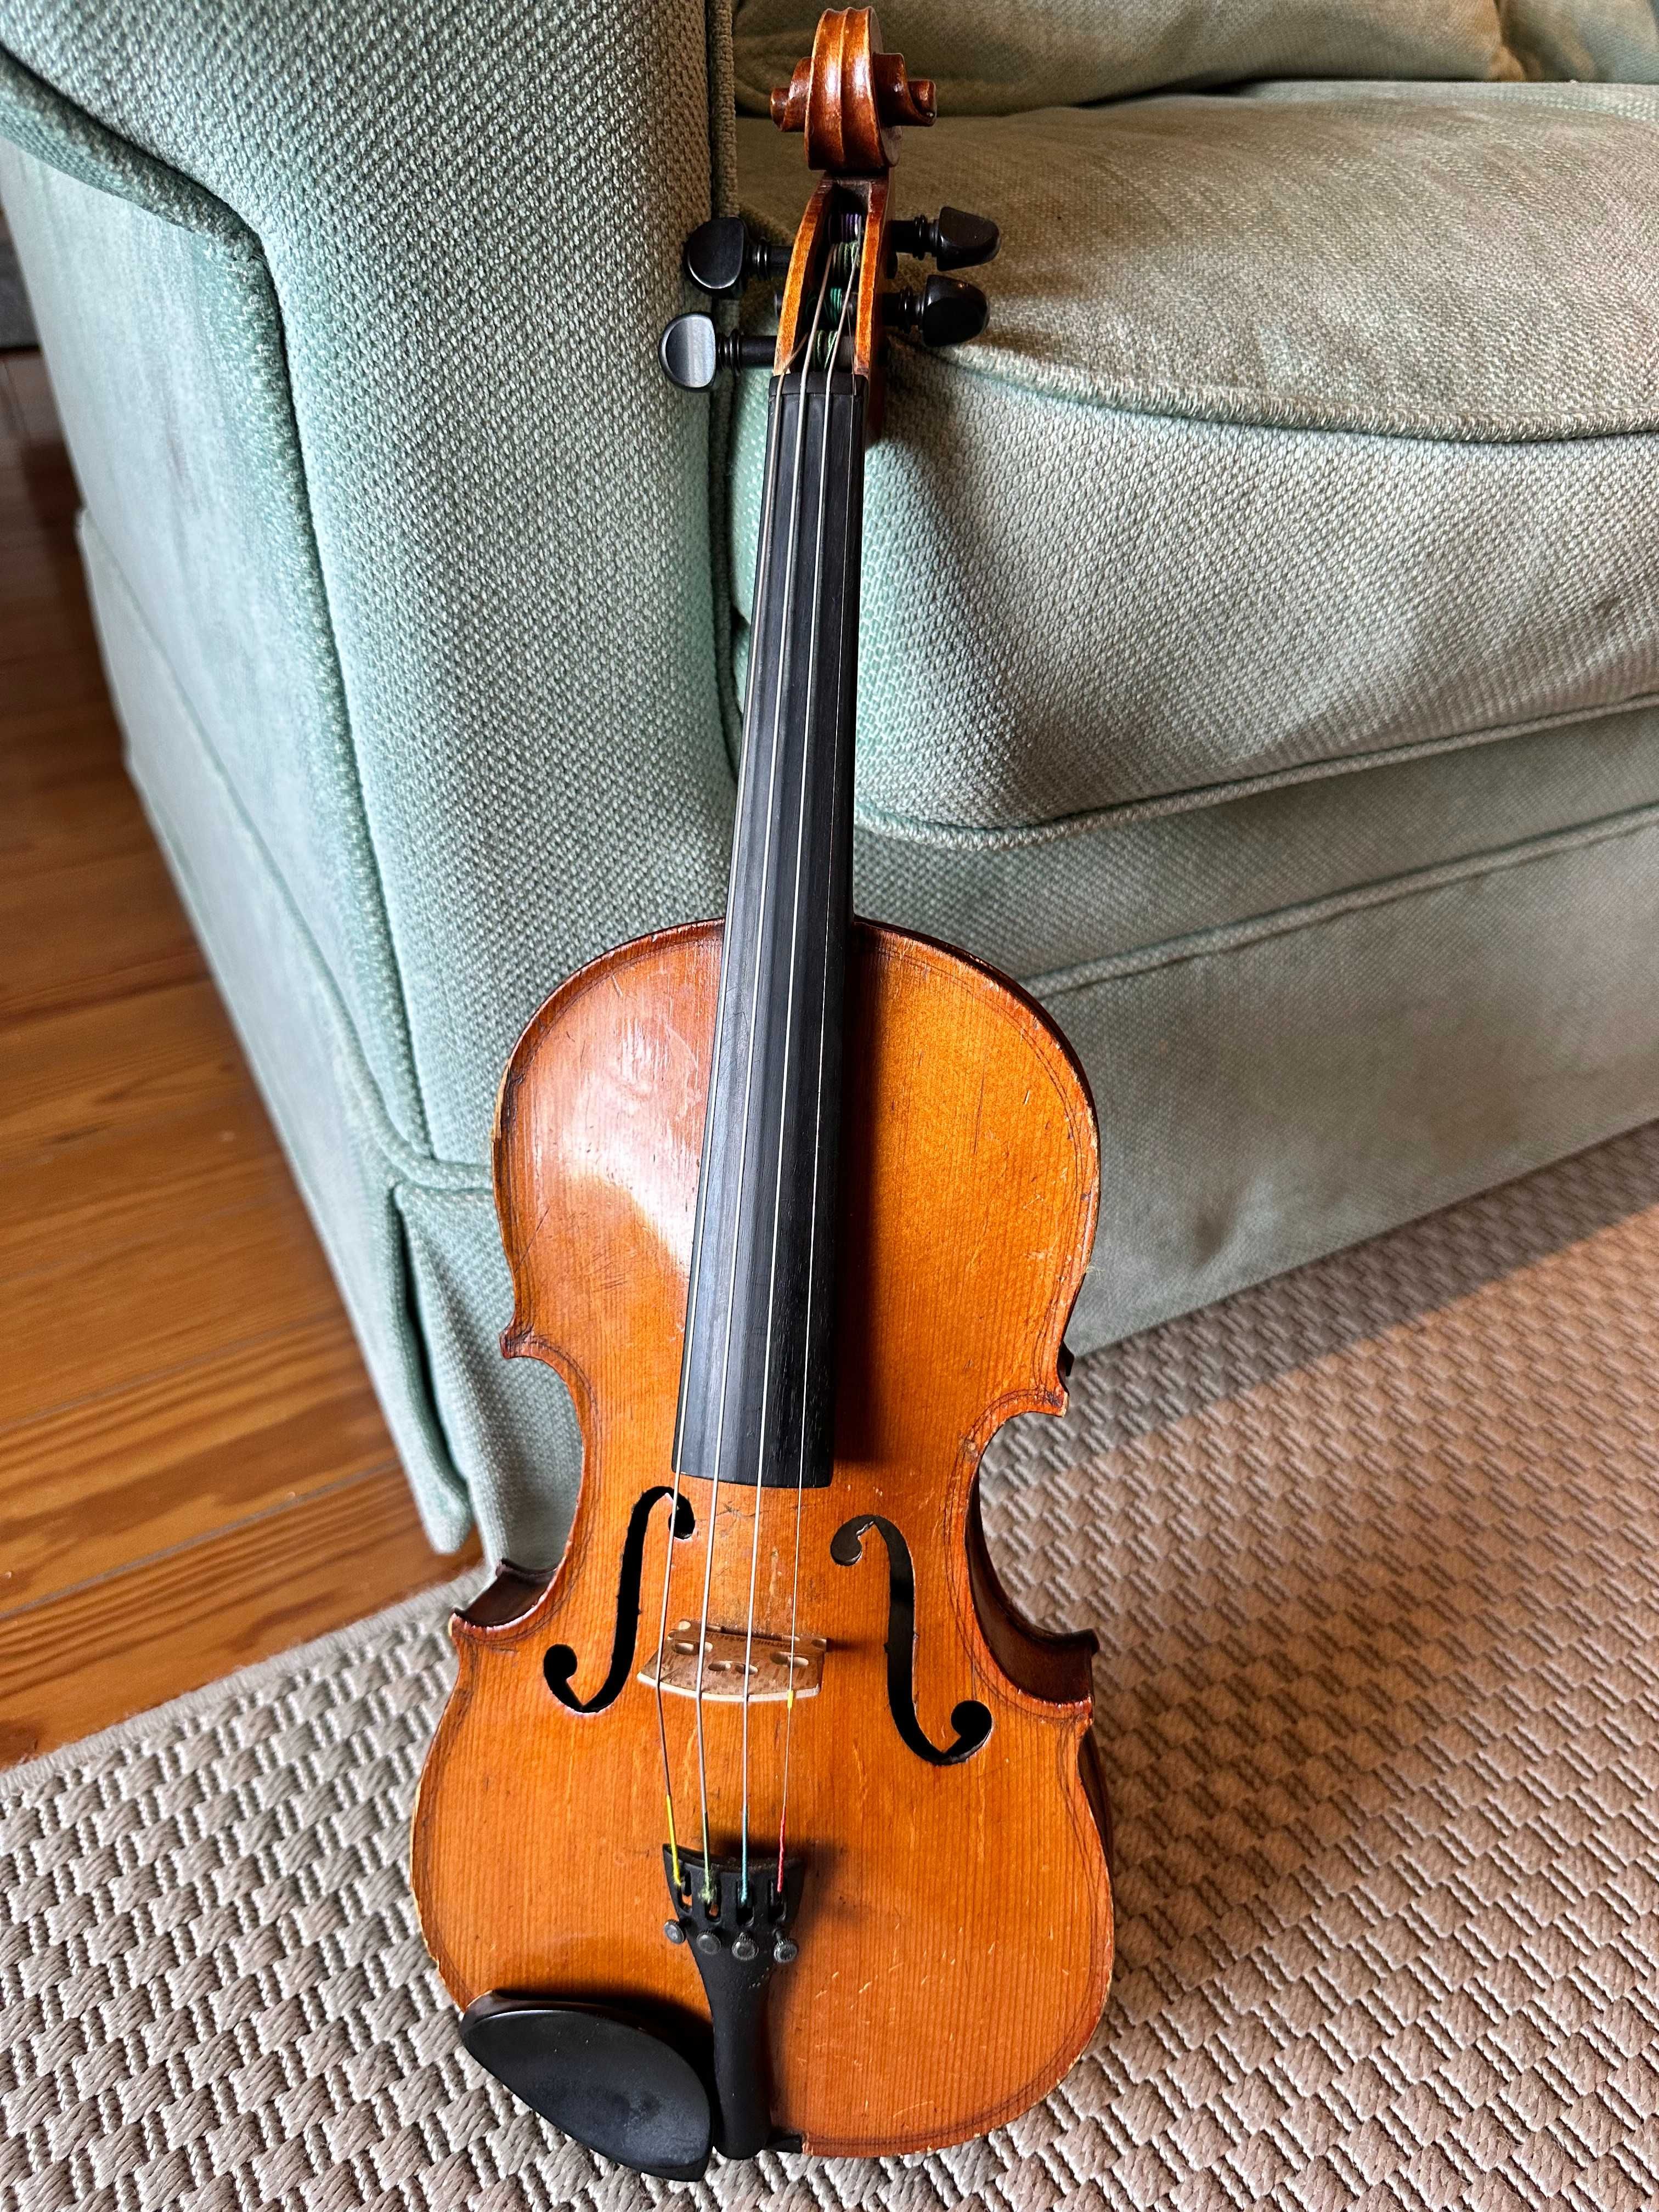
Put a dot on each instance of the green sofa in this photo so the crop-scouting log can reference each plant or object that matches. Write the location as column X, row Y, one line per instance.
column 1260, row 638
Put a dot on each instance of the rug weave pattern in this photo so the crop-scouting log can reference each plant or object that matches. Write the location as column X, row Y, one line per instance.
column 1372, row 1555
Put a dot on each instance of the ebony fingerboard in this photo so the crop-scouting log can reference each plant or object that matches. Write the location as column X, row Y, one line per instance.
column 757, row 1382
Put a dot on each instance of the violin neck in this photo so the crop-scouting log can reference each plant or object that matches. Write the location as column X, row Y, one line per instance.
column 756, row 1384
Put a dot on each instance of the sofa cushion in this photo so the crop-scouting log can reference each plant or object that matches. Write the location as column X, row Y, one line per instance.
column 991, row 59
column 1103, row 893
column 1614, row 41
column 1311, row 424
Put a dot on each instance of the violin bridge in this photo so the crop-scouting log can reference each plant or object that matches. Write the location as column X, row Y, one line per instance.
column 728, row 1657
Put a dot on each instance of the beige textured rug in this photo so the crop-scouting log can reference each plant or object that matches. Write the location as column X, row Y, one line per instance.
column 1371, row 1552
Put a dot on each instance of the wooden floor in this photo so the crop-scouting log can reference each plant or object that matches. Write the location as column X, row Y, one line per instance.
column 193, row 1472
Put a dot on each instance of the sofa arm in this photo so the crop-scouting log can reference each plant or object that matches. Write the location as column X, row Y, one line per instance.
column 471, row 221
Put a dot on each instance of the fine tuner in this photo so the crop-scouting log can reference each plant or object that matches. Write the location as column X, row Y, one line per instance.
column 724, row 256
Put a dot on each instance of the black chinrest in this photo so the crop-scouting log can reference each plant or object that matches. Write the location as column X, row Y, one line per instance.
column 603, row 2078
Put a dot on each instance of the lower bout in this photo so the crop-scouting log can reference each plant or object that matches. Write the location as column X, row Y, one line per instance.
column 958, row 2031
column 948, row 1972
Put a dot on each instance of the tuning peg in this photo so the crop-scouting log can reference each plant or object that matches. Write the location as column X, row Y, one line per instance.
column 723, row 255
column 955, row 240
column 946, row 313
column 693, row 352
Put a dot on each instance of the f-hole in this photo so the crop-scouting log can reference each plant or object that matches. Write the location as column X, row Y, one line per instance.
column 559, row 1664
column 970, row 1719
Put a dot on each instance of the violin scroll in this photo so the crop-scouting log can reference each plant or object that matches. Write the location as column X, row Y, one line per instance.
column 849, row 99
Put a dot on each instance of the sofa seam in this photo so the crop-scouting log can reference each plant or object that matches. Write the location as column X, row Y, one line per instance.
column 1239, row 407
column 1317, row 914
column 418, row 1340
column 424, row 1169
column 336, row 684
column 219, row 225
column 437, row 1177
column 974, row 837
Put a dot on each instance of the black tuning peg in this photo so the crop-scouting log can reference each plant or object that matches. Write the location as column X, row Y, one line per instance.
column 953, row 239
column 693, row 352
column 723, row 255
column 945, row 313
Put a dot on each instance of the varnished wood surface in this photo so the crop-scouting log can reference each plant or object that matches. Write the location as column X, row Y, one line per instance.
column 849, row 98
column 794, row 312
column 956, row 1932
column 217, row 1600
column 193, row 1471
column 97, row 1482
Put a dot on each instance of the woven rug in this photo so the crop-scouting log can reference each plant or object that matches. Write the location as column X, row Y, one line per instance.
column 1372, row 1556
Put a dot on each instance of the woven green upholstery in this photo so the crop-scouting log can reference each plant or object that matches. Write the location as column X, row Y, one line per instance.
column 286, row 408
column 1258, row 653
column 1615, row 41
column 991, row 59
column 1194, row 293
column 458, row 432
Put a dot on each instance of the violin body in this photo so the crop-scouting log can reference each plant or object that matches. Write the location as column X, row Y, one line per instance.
column 955, row 1937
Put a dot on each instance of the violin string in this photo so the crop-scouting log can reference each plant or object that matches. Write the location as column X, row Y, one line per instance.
column 785, row 641
column 773, row 455
column 818, row 1144
column 814, row 620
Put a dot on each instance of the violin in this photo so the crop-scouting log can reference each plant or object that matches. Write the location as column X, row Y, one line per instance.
column 765, row 1820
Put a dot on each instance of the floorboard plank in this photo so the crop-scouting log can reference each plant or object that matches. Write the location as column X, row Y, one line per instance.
column 54, row 740
column 164, row 1625
column 73, row 1079
column 51, row 678
column 29, row 401
column 93, row 1201
column 87, row 1487
column 102, row 928
column 101, row 1320
column 66, row 817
